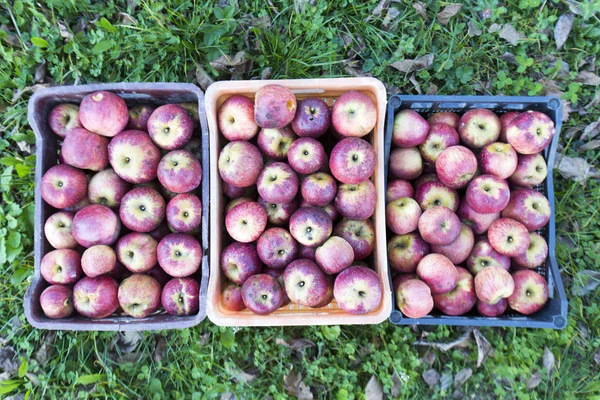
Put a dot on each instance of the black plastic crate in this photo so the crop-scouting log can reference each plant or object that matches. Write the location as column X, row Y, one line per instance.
column 554, row 314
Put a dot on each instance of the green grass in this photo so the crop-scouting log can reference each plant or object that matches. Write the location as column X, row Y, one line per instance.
column 166, row 41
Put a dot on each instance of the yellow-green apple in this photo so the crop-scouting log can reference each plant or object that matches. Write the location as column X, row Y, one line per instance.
column 487, row 194
column 236, row 118
column 240, row 163
column 104, row 113
column 480, row 223
column 61, row 267
column 529, row 207
column 305, row 283
column 180, row 296
column 184, row 212
column 352, row 160
column 142, row 209
column 498, row 159
column 508, row 237
column 440, row 137
column 57, row 230
column 444, row 117
column 410, row 129
column 398, row 188
column 531, row 170
column 406, row 163
column 307, row 252
column 277, row 183
column 456, row 166
column 274, row 106
column 414, row 299
column 402, row 215
column 278, row 214
column 63, row 186
column 107, row 188
column 262, row 294
column 98, row 260
column 353, row 114
column 56, row 301
column 505, row 120
column 246, row 222
column 179, row 254
column 483, row 255
column 459, row 250
column 306, row 155
column 492, row 310
column 312, row 118
column 139, row 116
column 536, row 254
column 63, row 118
column 139, row 295
column 356, row 201
column 438, row 272
column 96, row 224
column 439, row 225
column 170, row 126
column 359, row 234
column 275, row 143
column 479, row 127
column 530, row 294
column 318, row 189
column 426, row 177
column 335, row 255
column 358, row 290
column 406, row 251
column 239, row 261
column 96, row 297
column 137, row 252
column 434, row 193
column 459, row 300
column 276, row 248
column 231, row 297
column 493, row 284
column 179, row 171
column 310, row 226
column 530, row 133
column 134, row 156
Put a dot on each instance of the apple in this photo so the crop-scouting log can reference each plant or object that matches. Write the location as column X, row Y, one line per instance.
column 459, row 250
column 434, row 193
column 246, row 222
column 63, row 118
column 487, row 194
column 142, row 209
column 137, row 252
column 440, row 137
column 160, row 232
column 456, row 166
column 305, row 283
column 57, row 230
column 508, row 237
column 98, row 260
column 536, row 254
column 397, row 188
column 400, row 278
column 84, row 202
column 530, row 294
column 493, row 284
column 358, row 290
column 530, row 133
column 184, row 212
column 410, row 129
column 406, row 251
column 353, row 114
column 478, row 127
column 328, row 296
column 498, row 159
column 438, row 272
column 231, row 297
column 310, row 226
column 461, row 299
column 180, row 296
column 234, row 192
column 275, row 143
column 240, row 163
column 505, row 120
column 531, row 170
column 179, row 254
column 179, row 171
column 61, row 267
column 492, row 310
column 356, row 201
column 274, row 107
column 439, row 225
column 194, row 146
column 262, row 294
column 335, row 255
column 157, row 273
column 170, row 126
column 134, row 157
column 139, row 116
column 352, row 160
column 529, row 207
column 312, row 118
column 96, row 224
column 96, row 297
column 276, row 248
column 278, row 274
column 307, row 252
column 402, row 215
column 306, row 155
column 318, row 189
column 104, row 113
column 406, row 163
column 56, row 301
column 236, row 118
column 277, row 183
column 414, row 299
column 139, row 295
column 480, row 223
column 63, row 186
column 278, row 214
column 444, row 117
column 424, row 178
column 359, row 234
column 192, row 109
column 239, row 261
column 107, row 188
column 483, row 255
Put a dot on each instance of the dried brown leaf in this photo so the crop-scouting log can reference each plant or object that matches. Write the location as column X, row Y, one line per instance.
column 484, row 347
column 64, row 32
column 128, row 341
column 494, row 28
column 595, row 102
column 19, row 93
column 591, row 145
column 431, row 377
column 566, row 109
column 597, row 357
column 591, row 131
column 374, row 389
column 413, row 80
column 236, row 65
column 421, row 9
column 575, row 168
column 429, row 357
column 445, row 381
column 446, row 346
column 8, row 359
column 433, row 89
column 266, row 74
column 228, row 396
column 390, row 16
column 242, row 376
column 562, row 29
column 585, row 282
column 295, row 344
column 462, row 376
column 448, row 12
column 159, row 348
column 510, row 34
column 203, row 78
column 293, row 384
column 473, row 29
column 534, row 381
column 548, row 361
column 126, row 19
column 418, row 64
column 396, row 387
column 40, row 72
column 300, row 5
column 46, row 350
column 378, row 10
column 588, row 78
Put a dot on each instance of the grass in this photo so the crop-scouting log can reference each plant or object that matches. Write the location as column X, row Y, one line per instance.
column 66, row 42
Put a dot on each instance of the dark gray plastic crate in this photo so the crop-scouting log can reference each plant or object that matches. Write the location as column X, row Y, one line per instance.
column 554, row 314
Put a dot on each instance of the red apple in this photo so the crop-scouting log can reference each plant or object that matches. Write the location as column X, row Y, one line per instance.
column 530, row 294
column 96, row 297
column 480, row 223
column 536, row 254
column 134, row 157
column 63, row 118
column 318, row 189
column 530, row 133
column 459, row 250
column 479, row 127
column 246, row 222
column 104, row 113
column 406, row 251
column 79, row 206
column 160, row 232
column 139, row 295
column 57, row 230
column 531, row 170
column 159, row 274
column 440, row 137
column 138, row 117
column 61, row 267
column 483, row 255
column 278, row 214
column 180, row 296
column 184, row 212
column 179, row 171
column 444, row 117
column 493, row 284
column 356, row 201
column 406, row 163
column 505, row 120
column 352, row 160
column 107, row 188
column 414, row 299
column 239, row 261
column 137, row 252
column 439, row 225
column 98, row 260
column 56, row 301
column 96, row 224
column 231, row 297
column 410, row 129
column 277, row 183
column 305, row 283
column 275, row 143
column 179, row 254
column 508, row 237
column 84, row 149
column 487, row 194
column 438, row 272
column 424, row 178
column 63, row 186
column 274, row 106
column 400, row 278
column 358, row 290
column 276, row 248
column 335, row 255
column 529, row 207
column 170, row 126
column 353, row 114
column 359, row 234
column 307, row 252
column 240, row 163
column 306, row 155
column 498, row 159
column 310, row 226
column 402, row 215
column 456, row 166
column 434, row 193
column 262, row 294
column 461, row 299
column 312, row 118
column 398, row 188
column 142, row 209
column 236, row 118
column 492, row 310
